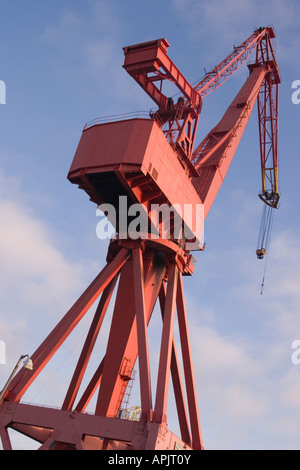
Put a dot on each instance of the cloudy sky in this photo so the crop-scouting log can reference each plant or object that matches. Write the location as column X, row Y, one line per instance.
column 61, row 62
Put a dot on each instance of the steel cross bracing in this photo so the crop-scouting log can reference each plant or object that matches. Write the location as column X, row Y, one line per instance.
column 147, row 161
column 148, row 63
column 142, row 276
column 228, row 66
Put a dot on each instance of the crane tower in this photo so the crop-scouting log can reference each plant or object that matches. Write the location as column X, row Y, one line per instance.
column 148, row 163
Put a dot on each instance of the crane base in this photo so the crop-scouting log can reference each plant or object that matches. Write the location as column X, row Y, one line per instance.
column 146, row 271
column 58, row 429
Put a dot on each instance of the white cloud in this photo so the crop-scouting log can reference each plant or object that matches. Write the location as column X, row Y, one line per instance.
column 244, row 385
column 228, row 371
column 244, row 373
column 88, row 48
column 30, row 263
column 289, row 390
column 38, row 284
column 247, row 385
column 238, row 18
column 236, row 13
column 240, row 380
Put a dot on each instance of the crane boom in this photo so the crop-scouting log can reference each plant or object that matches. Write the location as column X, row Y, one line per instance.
column 233, row 61
column 215, row 153
column 148, row 63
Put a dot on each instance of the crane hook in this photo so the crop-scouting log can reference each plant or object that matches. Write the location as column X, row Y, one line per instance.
column 264, row 238
column 265, row 232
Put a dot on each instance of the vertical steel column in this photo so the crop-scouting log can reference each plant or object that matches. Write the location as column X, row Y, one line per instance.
column 177, row 383
column 188, row 367
column 5, row 439
column 141, row 321
column 160, row 409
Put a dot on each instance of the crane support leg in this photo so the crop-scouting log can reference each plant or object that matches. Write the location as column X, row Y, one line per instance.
column 143, row 273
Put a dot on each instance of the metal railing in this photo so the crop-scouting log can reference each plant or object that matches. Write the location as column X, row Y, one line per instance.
column 52, row 407
column 117, row 117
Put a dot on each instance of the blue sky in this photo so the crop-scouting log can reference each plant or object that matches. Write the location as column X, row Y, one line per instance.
column 61, row 62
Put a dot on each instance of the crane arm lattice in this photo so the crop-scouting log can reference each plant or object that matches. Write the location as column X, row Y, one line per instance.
column 208, row 157
column 221, row 72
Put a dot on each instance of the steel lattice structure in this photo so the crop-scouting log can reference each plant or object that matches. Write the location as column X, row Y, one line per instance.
column 148, row 160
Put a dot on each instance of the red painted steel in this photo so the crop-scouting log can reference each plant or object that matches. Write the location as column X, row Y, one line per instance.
column 43, row 354
column 188, row 368
column 142, row 335
column 214, row 155
column 148, row 62
column 52, row 433
column 89, row 345
column 268, row 124
column 160, row 409
column 147, row 161
column 228, row 66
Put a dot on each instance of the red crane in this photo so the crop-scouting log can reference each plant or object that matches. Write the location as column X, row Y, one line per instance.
column 148, row 162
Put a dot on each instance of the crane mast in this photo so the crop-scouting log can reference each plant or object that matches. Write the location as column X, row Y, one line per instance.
column 148, row 161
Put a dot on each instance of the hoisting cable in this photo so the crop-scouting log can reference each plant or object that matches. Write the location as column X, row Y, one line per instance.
column 264, row 238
